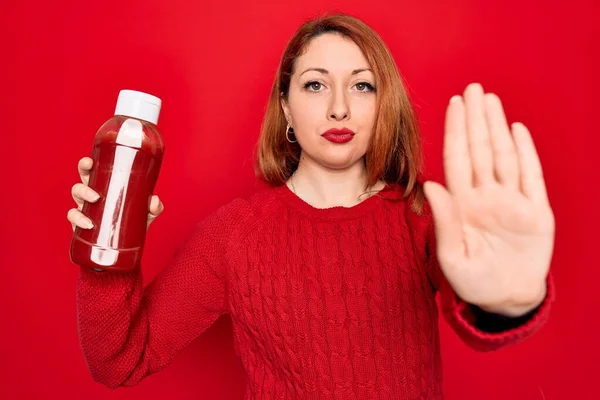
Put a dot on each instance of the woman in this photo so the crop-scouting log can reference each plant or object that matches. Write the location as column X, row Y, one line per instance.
column 330, row 275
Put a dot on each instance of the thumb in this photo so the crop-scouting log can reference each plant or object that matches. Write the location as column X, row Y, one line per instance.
column 447, row 222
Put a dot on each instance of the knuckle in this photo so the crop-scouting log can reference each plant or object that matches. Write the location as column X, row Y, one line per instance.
column 71, row 214
column 76, row 189
column 83, row 161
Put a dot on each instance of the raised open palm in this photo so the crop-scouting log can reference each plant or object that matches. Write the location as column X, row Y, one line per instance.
column 494, row 224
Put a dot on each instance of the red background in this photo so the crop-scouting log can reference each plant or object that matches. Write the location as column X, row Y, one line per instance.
column 213, row 64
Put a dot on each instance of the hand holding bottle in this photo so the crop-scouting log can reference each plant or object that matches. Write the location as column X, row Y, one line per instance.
column 81, row 193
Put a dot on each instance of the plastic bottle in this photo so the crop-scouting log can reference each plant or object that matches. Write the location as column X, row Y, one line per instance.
column 127, row 153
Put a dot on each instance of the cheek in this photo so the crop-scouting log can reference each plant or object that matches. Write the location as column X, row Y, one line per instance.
column 364, row 114
column 307, row 113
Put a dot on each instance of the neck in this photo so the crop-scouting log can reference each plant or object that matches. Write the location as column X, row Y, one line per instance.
column 323, row 187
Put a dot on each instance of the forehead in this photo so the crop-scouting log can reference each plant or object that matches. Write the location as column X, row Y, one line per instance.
column 333, row 52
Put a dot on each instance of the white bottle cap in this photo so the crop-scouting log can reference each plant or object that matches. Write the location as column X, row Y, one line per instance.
column 138, row 105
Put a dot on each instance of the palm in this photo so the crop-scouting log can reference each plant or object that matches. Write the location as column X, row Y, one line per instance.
column 494, row 225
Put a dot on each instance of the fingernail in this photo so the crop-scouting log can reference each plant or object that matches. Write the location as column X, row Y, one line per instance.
column 454, row 99
column 95, row 196
column 88, row 224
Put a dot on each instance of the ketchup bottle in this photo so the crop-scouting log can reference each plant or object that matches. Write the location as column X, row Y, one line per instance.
column 127, row 154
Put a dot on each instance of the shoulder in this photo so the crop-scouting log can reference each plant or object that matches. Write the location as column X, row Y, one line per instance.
column 420, row 224
column 243, row 212
column 420, row 221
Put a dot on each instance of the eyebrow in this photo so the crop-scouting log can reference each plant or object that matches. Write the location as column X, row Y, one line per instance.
column 325, row 72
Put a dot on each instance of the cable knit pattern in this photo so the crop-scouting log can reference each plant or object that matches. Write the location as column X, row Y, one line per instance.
column 334, row 303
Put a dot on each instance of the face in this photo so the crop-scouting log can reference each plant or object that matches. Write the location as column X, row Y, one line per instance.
column 332, row 87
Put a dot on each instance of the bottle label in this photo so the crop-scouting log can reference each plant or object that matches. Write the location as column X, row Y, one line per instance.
column 131, row 133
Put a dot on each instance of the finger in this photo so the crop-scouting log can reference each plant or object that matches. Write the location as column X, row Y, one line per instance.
column 76, row 218
column 82, row 193
column 532, row 177
column 506, row 163
column 84, row 167
column 457, row 162
column 156, row 208
column 447, row 222
column 478, row 136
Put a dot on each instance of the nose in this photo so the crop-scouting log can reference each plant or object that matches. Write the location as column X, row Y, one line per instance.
column 338, row 107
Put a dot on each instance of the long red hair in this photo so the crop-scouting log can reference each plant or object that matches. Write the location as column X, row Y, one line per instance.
column 394, row 154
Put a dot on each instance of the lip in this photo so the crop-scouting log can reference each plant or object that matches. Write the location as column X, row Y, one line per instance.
column 343, row 135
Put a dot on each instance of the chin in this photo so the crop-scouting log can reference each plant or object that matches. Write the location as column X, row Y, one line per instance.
column 340, row 158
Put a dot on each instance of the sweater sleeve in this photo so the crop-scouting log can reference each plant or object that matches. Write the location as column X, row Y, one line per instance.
column 127, row 332
column 480, row 330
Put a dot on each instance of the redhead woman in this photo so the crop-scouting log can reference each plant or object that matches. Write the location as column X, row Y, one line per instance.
column 330, row 275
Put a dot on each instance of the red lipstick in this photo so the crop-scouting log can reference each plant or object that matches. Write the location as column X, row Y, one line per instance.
column 339, row 135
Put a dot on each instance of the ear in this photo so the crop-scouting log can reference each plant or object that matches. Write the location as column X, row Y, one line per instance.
column 286, row 108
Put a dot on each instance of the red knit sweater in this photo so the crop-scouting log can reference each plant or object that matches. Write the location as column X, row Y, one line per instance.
column 325, row 303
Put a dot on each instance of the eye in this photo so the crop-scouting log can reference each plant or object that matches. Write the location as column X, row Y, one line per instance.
column 364, row 87
column 313, row 86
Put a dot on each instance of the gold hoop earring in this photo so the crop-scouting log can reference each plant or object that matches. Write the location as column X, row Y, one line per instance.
column 289, row 130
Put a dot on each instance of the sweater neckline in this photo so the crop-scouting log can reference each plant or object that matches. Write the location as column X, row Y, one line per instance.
column 292, row 200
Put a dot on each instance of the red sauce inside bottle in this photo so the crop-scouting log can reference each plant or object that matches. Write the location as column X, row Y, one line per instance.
column 127, row 156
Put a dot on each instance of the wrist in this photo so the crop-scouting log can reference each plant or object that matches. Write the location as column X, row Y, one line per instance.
column 515, row 309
